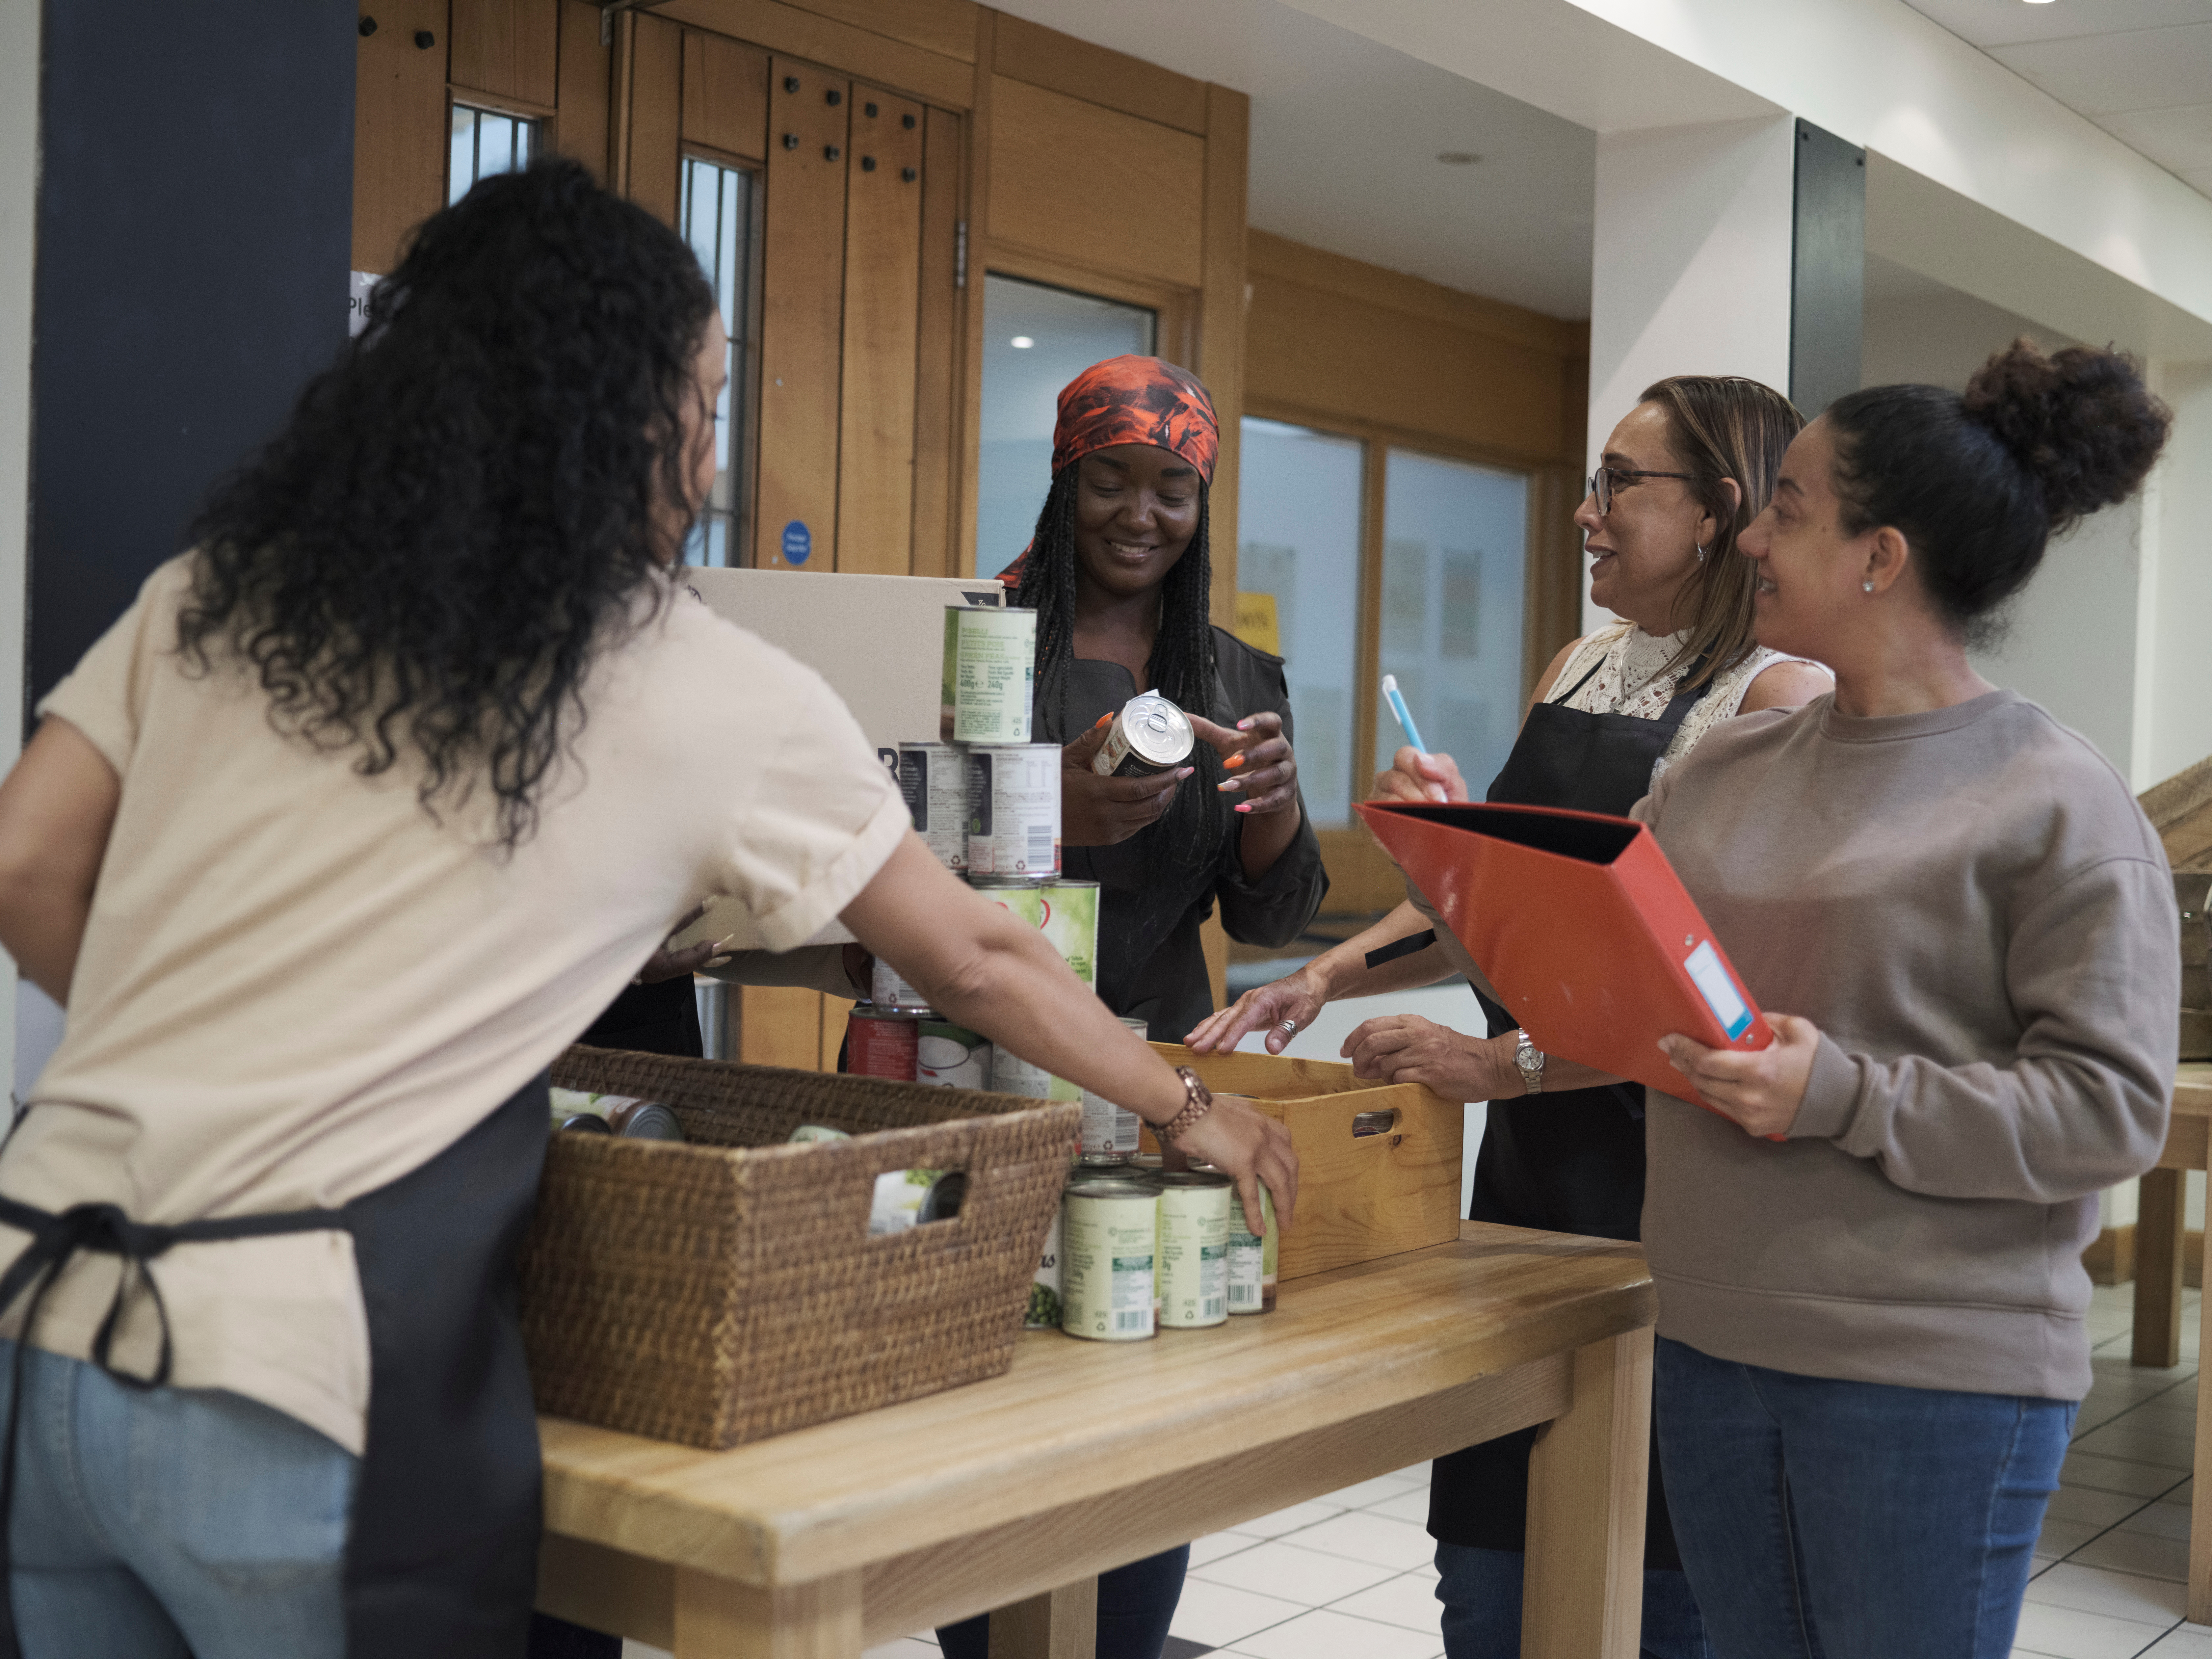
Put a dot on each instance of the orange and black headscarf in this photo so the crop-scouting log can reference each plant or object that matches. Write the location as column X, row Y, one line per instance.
column 1131, row 400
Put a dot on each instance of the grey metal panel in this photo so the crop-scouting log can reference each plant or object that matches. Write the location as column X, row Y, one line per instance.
column 1827, row 280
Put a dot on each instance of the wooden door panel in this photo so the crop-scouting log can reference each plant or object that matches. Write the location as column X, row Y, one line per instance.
column 508, row 49
column 579, row 127
column 882, row 276
column 802, row 293
column 399, row 128
column 653, row 175
column 937, row 357
column 725, row 96
column 779, row 1025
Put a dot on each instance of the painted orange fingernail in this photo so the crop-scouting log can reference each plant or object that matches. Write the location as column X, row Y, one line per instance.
column 1102, row 720
column 1232, row 762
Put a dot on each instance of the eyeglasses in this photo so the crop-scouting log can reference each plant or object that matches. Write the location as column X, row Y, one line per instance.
column 1602, row 484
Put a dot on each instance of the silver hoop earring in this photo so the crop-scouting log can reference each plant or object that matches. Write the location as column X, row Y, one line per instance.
column 1866, row 587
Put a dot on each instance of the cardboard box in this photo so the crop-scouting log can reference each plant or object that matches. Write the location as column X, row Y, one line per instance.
column 880, row 641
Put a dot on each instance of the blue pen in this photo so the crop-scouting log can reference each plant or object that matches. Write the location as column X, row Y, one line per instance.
column 1398, row 708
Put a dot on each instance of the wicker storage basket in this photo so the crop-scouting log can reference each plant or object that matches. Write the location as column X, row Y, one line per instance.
column 728, row 1290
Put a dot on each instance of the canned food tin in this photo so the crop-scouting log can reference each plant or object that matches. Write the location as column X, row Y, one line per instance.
column 1194, row 1256
column 1044, row 1287
column 1012, row 1075
column 951, row 1056
column 934, row 778
column 1251, row 1259
column 1149, row 735
column 1109, row 1132
column 880, row 1043
column 1013, row 809
column 990, row 673
column 809, row 1133
column 589, row 1122
column 644, row 1120
column 888, row 989
column 1065, row 912
column 1109, row 1236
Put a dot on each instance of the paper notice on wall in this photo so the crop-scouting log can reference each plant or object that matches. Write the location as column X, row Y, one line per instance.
column 364, row 284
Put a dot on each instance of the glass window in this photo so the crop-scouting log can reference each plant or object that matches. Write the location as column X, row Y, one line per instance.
column 1455, row 559
column 716, row 219
column 1035, row 340
column 485, row 141
column 1298, row 532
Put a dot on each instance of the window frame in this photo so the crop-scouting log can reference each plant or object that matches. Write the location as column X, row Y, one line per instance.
column 744, row 381
column 1349, row 851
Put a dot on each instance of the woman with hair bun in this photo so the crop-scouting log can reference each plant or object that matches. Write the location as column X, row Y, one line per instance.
column 1871, row 1344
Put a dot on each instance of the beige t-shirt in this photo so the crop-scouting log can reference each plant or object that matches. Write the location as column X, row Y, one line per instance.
column 296, row 987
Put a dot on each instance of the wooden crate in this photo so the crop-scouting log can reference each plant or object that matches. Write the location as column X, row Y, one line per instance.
column 1358, row 1197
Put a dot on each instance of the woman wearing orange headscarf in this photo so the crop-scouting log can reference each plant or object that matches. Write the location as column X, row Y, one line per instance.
column 1120, row 576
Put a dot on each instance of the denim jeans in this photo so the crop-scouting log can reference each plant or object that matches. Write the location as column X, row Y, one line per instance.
column 1837, row 1519
column 1482, row 1592
column 1136, row 1605
column 166, row 1523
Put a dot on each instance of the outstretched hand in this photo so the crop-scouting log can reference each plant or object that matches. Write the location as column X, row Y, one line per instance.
column 1295, row 998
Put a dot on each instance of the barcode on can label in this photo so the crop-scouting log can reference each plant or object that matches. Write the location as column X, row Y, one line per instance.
column 1244, row 1296
column 1136, row 1319
column 1040, row 848
column 1214, row 1308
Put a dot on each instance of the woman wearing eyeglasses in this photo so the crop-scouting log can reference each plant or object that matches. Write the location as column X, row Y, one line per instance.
column 1687, row 469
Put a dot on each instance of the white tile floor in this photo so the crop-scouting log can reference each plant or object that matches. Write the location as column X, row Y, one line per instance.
column 1349, row 1574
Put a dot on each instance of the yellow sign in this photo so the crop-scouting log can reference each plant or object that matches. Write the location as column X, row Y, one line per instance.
column 1255, row 623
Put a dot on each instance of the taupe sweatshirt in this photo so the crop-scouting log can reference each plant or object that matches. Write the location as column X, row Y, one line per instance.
column 1972, row 908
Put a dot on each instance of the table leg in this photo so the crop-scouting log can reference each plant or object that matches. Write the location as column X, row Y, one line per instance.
column 2200, row 1494
column 1061, row 1624
column 1582, row 1583
column 2158, row 1215
column 722, row 1618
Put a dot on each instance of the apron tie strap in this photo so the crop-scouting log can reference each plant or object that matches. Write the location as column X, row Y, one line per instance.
column 105, row 1229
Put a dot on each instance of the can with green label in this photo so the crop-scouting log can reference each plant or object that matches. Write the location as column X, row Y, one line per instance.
column 1251, row 1258
column 1194, row 1256
column 990, row 673
column 1109, row 1132
column 1065, row 912
column 1109, row 1238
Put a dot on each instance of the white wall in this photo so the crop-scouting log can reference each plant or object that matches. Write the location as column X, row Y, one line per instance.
column 19, row 185
column 2174, row 668
column 1690, row 264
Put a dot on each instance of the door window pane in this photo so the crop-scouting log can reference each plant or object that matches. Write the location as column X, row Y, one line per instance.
column 716, row 219
column 1035, row 340
column 1454, row 557
column 1299, row 524
column 485, row 141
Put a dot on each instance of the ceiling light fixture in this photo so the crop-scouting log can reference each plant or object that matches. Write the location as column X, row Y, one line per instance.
column 1022, row 343
column 1458, row 158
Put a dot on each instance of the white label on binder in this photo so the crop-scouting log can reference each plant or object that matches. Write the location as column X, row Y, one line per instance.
column 1718, row 990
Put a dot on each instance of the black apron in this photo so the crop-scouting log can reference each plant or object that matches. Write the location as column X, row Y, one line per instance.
column 441, row 1556
column 1571, row 1161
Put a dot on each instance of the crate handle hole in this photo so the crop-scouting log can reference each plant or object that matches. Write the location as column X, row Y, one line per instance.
column 1365, row 1125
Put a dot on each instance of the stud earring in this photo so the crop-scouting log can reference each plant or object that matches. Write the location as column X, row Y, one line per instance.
column 1866, row 587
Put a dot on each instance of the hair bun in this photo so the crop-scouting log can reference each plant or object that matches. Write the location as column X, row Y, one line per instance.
column 2082, row 420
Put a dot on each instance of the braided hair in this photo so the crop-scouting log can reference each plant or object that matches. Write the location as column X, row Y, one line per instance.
column 1188, row 836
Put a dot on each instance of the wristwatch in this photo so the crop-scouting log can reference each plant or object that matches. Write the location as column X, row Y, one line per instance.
column 1529, row 1059
column 1198, row 1101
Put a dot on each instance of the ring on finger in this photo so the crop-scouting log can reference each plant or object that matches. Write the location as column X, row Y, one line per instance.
column 1288, row 1028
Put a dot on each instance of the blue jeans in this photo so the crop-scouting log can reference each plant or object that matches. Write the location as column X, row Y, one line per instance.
column 166, row 1523
column 1837, row 1519
column 1482, row 1592
column 1136, row 1605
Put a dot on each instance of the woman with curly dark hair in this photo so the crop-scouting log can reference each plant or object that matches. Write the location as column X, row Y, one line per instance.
column 331, row 845
column 1871, row 1339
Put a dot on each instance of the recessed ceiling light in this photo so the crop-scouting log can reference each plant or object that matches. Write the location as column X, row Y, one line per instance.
column 1022, row 343
column 1458, row 158
column 2037, row 3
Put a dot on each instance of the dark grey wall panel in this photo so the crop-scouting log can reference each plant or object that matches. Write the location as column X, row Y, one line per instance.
column 1827, row 290
column 195, row 226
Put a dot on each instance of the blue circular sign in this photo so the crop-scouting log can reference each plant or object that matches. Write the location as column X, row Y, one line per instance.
column 797, row 543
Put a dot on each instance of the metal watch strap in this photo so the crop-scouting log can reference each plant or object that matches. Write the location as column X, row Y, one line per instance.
column 1528, row 1061
column 1198, row 1102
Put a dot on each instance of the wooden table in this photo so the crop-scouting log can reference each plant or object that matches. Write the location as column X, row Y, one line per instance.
column 2158, row 1243
column 1013, row 1495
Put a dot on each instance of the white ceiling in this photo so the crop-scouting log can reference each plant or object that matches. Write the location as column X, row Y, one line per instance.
column 1345, row 136
column 2141, row 69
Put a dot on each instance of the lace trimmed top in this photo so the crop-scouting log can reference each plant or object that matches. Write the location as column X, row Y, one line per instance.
column 1629, row 681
